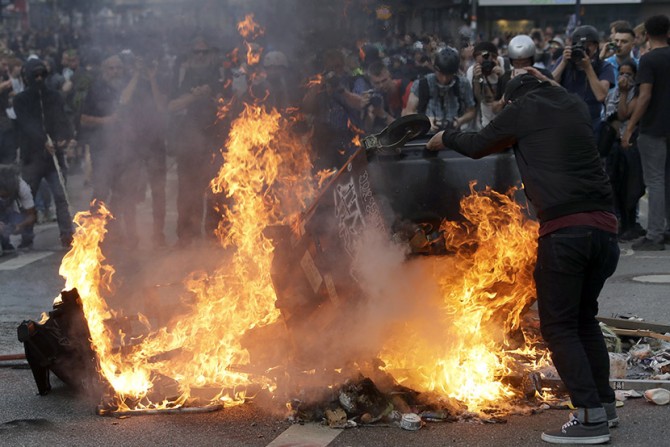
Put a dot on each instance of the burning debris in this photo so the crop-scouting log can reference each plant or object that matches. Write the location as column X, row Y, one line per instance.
column 327, row 300
column 309, row 297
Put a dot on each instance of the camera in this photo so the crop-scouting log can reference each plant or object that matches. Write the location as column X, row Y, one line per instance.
column 487, row 64
column 578, row 52
column 376, row 100
column 612, row 46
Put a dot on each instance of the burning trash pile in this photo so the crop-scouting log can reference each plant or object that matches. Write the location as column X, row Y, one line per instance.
column 320, row 304
column 444, row 337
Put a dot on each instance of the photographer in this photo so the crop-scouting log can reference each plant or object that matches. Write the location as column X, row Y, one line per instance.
column 484, row 75
column 582, row 72
column 622, row 45
column 385, row 100
column 444, row 96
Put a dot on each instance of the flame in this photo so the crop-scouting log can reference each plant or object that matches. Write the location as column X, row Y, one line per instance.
column 253, row 53
column 314, row 81
column 249, row 29
column 267, row 178
column 485, row 287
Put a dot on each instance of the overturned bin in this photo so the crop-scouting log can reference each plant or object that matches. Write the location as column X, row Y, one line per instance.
column 393, row 185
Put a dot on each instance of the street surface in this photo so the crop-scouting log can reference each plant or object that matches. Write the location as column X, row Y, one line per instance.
column 29, row 282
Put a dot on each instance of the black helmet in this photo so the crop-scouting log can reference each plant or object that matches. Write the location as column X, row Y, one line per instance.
column 585, row 33
column 447, row 61
column 519, row 85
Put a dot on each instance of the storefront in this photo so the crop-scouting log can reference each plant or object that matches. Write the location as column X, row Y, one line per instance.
column 509, row 17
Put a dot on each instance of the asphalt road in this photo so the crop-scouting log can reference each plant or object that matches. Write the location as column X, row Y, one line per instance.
column 29, row 282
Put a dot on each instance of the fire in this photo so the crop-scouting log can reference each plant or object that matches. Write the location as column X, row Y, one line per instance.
column 83, row 267
column 485, row 287
column 248, row 28
column 315, row 81
column 475, row 335
column 266, row 177
column 254, row 53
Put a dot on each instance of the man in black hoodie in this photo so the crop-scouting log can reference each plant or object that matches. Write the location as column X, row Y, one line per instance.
column 550, row 132
column 43, row 130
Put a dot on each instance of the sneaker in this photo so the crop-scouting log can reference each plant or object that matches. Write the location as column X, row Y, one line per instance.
column 612, row 417
column 574, row 432
column 645, row 244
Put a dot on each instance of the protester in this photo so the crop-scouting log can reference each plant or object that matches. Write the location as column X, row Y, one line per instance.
column 651, row 112
column 561, row 171
column 43, row 132
column 193, row 105
column 142, row 113
column 8, row 143
column 335, row 110
column 100, row 128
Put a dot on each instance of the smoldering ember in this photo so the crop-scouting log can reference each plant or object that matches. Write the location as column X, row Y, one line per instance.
column 353, row 296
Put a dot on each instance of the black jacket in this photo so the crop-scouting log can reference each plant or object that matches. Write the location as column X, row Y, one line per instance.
column 550, row 131
column 32, row 125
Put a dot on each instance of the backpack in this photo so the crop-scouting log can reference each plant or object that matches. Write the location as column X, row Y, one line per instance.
column 424, row 96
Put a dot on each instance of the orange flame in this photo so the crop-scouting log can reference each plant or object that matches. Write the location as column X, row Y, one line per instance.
column 253, row 53
column 250, row 29
column 266, row 175
column 486, row 287
column 315, row 81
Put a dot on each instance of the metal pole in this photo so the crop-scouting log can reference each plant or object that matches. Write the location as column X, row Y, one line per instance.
column 473, row 19
column 578, row 7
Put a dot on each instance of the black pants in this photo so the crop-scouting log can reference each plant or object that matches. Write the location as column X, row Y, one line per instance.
column 572, row 266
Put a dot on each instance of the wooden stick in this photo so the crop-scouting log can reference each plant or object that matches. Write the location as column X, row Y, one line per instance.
column 640, row 333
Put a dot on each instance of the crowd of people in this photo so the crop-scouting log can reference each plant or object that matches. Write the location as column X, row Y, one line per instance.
column 119, row 110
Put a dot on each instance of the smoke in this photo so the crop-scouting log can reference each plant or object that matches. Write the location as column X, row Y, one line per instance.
column 397, row 291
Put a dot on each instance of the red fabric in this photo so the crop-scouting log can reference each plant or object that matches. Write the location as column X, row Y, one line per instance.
column 599, row 219
column 405, row 95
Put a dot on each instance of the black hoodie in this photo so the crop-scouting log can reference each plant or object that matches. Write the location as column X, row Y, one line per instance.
column 39, row 111
column 550, row 131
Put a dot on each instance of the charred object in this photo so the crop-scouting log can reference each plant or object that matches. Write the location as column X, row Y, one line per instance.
column 60, row 345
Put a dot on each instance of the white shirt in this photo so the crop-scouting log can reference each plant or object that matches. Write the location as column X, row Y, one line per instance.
column 25, row 200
